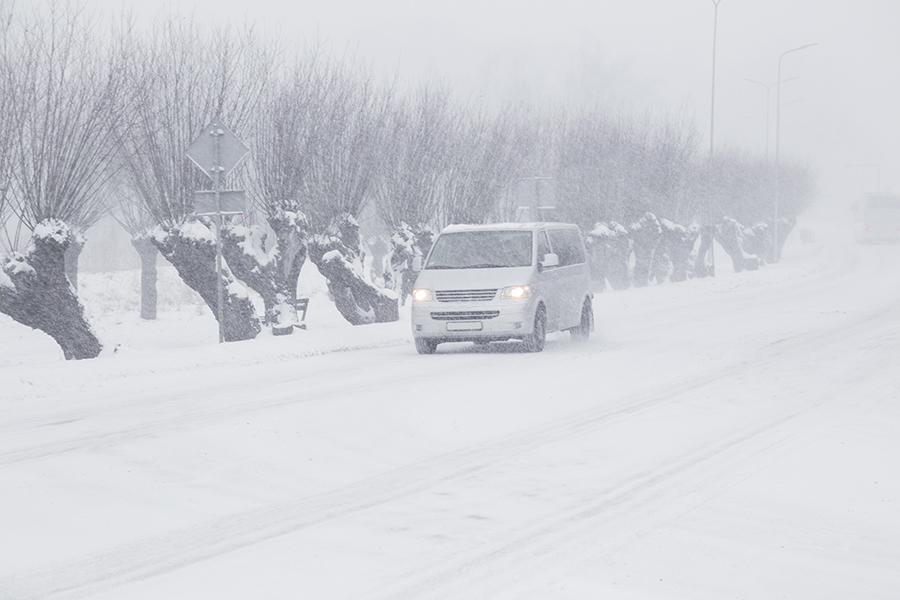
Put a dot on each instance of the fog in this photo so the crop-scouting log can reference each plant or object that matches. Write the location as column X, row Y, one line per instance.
column 642, row 55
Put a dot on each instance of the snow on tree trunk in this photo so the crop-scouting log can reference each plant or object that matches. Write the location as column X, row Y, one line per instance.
column 191, row 248
column 785, row 226
column 660, row 264
column 272, row 274
column 645, row 234
column 701, row 267
column 610, row 254
column 148, row 252
column 34, row 291
column 73, row 252
column 290, row 229
column 678, row 241
column 338, row 257
column 407, row 244
column 728, row 232
column 756, row 241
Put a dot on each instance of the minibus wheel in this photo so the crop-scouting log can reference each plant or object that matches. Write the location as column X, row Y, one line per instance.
column 583, row 330
column 535, row 341
column 425, row 346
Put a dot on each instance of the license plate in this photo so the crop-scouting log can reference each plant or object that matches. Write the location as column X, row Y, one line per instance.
column 465, row 326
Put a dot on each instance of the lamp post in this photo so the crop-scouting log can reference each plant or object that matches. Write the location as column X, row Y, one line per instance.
column 775, row 253
column 769, row 104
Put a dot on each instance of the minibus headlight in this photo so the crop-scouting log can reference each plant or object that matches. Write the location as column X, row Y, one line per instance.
column 515, row 292
column 422, row 295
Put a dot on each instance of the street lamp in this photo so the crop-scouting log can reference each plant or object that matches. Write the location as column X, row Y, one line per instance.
column 768, row 104
column 778, row 94
column 775, row 252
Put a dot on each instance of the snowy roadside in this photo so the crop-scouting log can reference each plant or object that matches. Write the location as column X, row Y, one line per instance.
column 184, row 336
column 715, row 438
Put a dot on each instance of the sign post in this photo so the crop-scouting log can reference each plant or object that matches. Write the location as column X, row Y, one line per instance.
column 216, row 152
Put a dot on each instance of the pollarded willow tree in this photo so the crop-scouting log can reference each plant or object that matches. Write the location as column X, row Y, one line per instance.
column 277, row 181
column 411, row 187
column 189, row 76
column 66, row 84
column 345, row 155
column 315, row 157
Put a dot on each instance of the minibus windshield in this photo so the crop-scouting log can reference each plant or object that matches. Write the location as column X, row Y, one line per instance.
column 481, row 250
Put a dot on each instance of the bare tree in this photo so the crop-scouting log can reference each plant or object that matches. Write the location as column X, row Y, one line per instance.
column 188, row 77
column 412, row 185
column 345, row 162
column 9, row 119
column 487, row 153
column 415, row 158
column 278, row 181
column 68, row 87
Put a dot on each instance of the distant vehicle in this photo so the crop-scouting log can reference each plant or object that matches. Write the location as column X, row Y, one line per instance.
column 511, row 281
column 876, row 218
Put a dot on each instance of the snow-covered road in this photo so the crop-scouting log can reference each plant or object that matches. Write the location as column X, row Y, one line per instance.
column 736, row 437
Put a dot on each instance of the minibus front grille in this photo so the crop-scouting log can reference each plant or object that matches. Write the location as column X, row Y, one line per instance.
column 465, row 295
column 465, row 315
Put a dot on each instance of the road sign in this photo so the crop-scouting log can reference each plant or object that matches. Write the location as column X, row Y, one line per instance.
column 209, row 158
column 216, row 152
column 231, row 202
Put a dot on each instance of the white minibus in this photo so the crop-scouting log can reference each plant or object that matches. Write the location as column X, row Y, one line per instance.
column 501, row 282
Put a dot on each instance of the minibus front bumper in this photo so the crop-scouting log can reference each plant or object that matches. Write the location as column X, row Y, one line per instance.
column 463, row 321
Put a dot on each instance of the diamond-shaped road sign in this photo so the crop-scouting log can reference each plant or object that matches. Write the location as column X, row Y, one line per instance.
column 203, row 150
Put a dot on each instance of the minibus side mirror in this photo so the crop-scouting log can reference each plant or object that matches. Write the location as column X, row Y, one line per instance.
column 417, row 263
column 550, row 260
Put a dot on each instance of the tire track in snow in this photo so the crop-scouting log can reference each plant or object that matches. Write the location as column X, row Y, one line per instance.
column 622, row 512
column 156, row 556
column 154, row 405
column 154, row 413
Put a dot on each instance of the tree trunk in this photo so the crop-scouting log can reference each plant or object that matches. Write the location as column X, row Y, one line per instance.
column 407, row 244
column 290, row 228
column 729, row 236
column 785, row 226
column 679, row 242
column 611, row 252
column 337, row 257
column 34, row 291
column 191, row 248
column 755, row 240
column 645, row 234
column 701, row 268
column 148, row 252
column 76, row 245
column 274, row 277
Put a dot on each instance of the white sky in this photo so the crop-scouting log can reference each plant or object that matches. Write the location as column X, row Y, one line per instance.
column 839, row 113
